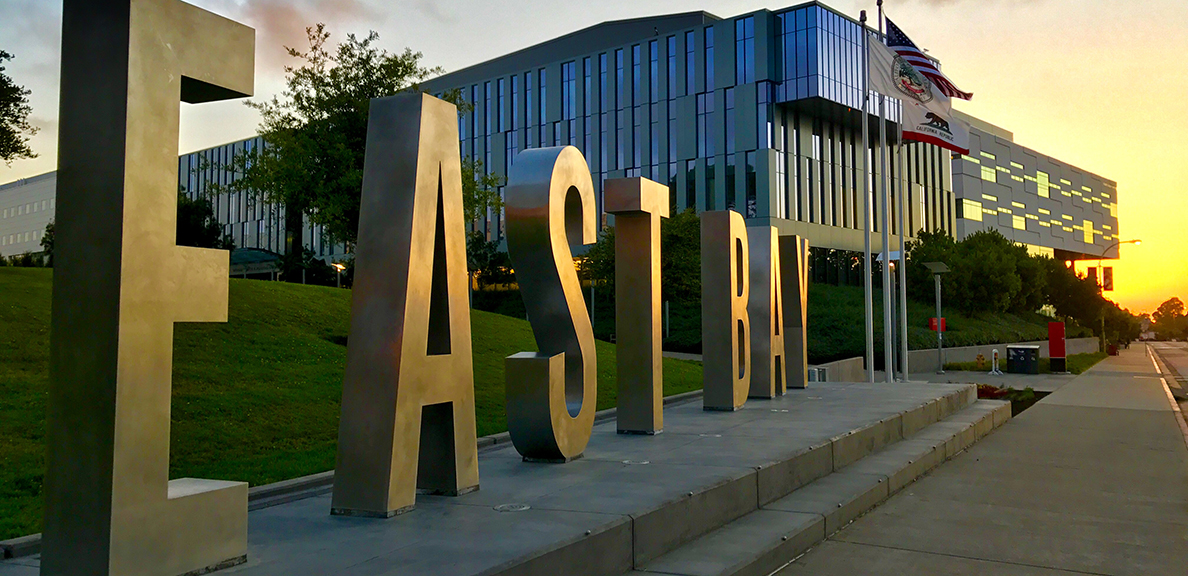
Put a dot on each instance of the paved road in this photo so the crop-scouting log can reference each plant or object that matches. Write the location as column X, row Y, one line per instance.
column 1092, row 480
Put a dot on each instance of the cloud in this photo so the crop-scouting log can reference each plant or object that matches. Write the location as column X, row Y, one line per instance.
column 282, row 23
column 435, row 12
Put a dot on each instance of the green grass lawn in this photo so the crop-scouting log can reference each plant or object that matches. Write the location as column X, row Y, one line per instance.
column 1077, row 363
column 255, row 399
column 835, row 323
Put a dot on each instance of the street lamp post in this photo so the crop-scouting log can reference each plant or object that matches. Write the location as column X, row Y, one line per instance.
column 938, row 268
column 1101, row 280
column 338, row 268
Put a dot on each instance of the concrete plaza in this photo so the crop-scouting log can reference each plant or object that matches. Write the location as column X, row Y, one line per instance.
column 1091, row 480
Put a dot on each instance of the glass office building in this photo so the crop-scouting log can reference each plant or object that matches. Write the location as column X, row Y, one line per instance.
column 760, row 113
column 1052, row 207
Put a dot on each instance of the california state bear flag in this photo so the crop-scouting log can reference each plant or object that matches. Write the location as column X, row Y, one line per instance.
column 927, row 112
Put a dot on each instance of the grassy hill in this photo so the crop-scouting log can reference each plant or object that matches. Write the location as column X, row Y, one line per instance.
column 255, row 399
column 835, row 323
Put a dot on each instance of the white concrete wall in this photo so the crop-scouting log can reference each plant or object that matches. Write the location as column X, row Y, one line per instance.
column 925, row 360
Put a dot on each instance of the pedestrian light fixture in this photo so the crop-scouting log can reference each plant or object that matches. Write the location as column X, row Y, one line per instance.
column 938, row 268
column 339, row 269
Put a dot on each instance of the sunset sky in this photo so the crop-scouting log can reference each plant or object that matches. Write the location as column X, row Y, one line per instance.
column 1100, row 84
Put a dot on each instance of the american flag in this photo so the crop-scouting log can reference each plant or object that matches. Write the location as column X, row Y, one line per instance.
column 902, row 45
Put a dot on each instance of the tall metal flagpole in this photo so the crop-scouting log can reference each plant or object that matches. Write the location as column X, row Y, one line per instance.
column 905, row 187
column 866, row 198
column 884, row 222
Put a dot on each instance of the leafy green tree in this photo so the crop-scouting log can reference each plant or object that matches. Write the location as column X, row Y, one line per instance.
column 680, row 258
column 197, row 225
column 316, row 131
column 15, row 129
column 480, row 191
column 47, row 244
column 486, row 262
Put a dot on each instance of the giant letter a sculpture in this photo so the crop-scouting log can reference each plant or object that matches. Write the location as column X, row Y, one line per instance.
column 408, row 397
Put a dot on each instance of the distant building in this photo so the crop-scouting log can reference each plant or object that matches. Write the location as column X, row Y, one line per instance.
column 26, row 206
column 760, row 113
column 1032, row 198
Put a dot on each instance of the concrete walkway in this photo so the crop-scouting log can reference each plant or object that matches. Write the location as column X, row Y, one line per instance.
column 1091, row 480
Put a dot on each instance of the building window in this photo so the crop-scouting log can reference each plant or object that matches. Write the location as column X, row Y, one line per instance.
column 728, row 116
column 672, row 60
column 989, row 174
column 515, row 103
column 744, row 50
column 654, row 76
column 568, row 91
column 690, row 68
column 705, row 138
column 730, row 199
column 500, row 104
column 542, row 97
column 1042, row 184
column 752, row 205
column 709, row 59
column 691, row 184
column 1018, row 222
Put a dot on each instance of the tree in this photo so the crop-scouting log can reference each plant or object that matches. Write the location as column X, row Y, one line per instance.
column 197, row 225
column 15, row 129
column 316, row 131
column 47, row 244
column 480, row 191
column 680, row 258
column 485, row 261
column 1169, row 320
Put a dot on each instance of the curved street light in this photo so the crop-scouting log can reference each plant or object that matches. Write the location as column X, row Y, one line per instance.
column 1101, row 278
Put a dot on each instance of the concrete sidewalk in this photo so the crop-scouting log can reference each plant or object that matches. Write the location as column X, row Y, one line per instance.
column 1093, row 479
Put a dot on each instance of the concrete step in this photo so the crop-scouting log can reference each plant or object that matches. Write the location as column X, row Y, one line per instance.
column 766, row 539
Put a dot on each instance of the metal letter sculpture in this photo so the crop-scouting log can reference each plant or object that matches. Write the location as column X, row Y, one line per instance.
column 768, row 377
column 551, row 394
column 638, row 205
column 725, row 324
column 120, row 284
column 408, row 396
column 794, row 253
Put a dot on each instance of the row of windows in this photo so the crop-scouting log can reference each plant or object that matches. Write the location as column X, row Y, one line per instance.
column 975, row 211
column 27, row 208
column 20, row 238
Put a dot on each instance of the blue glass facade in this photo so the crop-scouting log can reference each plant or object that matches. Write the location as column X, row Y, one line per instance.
column 759, row 113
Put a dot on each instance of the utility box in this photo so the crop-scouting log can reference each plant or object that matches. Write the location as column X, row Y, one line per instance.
column 1023, row 359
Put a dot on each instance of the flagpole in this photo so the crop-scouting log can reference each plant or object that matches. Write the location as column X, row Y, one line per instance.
column 867, row 158
column 904, row 192
column 885, row 221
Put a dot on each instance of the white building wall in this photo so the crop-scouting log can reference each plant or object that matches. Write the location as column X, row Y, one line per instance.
column 26, row 206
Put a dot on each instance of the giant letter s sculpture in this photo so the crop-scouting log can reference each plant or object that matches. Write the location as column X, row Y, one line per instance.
column 550, row 395
column 725, row 324
column 408, row 396
column 121, row 282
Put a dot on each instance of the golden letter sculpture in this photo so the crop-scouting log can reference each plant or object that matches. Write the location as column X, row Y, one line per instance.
column 638, row 205
column 551, row 394
column 725, row 324
column 120, row 284
column 765, row 309
column 794, row 253
column 408, row 418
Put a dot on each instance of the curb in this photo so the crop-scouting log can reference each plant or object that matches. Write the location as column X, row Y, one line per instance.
column 1160, row 365
column 315, row 484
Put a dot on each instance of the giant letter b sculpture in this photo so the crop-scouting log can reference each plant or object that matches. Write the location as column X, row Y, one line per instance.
column 408, row 396
column 725, row 324
column 551, row 394
column 121, row 282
